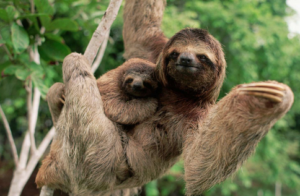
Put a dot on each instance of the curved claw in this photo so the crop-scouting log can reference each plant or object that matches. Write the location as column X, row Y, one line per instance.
column 264, row 84
column 62, row 99
column 272, row 91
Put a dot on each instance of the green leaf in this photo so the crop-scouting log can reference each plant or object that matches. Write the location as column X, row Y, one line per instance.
column 63, row 24
column 19, row 38
column 43, row 6
column 151, row 188
column 45, row 20
column 12, row 69
column 53, row 37
column 22, row 73
column 38, row 82
column 2, row 41
column 11, row 11
column 32, row 15
column 3, row 15
column 4, row 65
column 5, row 34
column 54, row 50
column 34, row 67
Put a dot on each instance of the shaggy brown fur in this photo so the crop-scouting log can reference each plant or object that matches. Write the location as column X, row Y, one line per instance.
column 128, row 92
column 214, row 139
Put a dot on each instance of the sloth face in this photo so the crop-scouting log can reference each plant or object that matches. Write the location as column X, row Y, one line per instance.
column 193, row 61
column 139, row 85
column 191, row 65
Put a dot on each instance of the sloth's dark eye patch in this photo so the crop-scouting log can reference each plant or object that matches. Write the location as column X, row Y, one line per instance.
column 174, row 55
column 129, row 80
column 202, row 58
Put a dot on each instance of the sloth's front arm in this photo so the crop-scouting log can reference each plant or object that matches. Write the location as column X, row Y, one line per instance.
column 231, row 132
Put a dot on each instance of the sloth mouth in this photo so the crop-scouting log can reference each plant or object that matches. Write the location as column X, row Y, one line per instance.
column 187, row 68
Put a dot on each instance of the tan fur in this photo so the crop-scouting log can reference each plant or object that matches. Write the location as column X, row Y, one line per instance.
column 120, row 105
column 214, row 139
column 143, row 18
column 228, row 136
column 89, row 156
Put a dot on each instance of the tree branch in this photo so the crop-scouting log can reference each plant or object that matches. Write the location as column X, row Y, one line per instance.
column 29, row 113
column 43, row 146
column 46, row 191
column 34, row 56
column 35, row 108
column 32, row 6
column 102, row 29
column 24, row 152
column 10, row 137
column 100, row 54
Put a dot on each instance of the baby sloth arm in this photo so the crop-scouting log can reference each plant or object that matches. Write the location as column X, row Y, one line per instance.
column 55, row 99
column 128, row 92
column 231, row 131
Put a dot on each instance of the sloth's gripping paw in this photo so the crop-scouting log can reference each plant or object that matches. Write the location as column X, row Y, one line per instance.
column 272, row 91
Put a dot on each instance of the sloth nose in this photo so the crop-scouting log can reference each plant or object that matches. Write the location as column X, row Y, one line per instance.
column 185, row 59
column 137, row 86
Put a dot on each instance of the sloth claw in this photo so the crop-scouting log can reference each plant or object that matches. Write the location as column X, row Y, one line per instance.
column 264, row 84
column 271, row 91
column 62, row 100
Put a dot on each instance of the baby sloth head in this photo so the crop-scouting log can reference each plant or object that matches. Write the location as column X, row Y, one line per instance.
column 138, row 80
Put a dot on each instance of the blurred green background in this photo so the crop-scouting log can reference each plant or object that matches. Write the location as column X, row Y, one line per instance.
column 257, row 45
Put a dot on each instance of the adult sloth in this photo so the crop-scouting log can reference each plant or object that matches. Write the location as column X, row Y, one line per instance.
column 87, row 155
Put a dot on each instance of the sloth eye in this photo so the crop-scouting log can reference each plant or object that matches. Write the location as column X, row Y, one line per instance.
column 147, row 85
column 174, row 55
column 129, row 80
column 202, row 57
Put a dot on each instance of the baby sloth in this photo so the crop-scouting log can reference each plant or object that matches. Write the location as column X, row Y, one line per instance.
column 129, row 92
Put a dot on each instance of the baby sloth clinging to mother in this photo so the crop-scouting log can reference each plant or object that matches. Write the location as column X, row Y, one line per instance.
column 129, row 92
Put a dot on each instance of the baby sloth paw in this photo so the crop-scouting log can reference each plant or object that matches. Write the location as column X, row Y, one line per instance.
column 274, row 92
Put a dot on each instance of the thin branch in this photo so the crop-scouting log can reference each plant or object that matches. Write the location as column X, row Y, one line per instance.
column 35, row 108
column 32, row 6
column 100, row 54
column 24, row 152
column 35, row 56
column 29, row 113
column 46, row 141
column 43, row 146
column 10, row 137
column 34, row 159
column 34, row 53
column 102, row 29
column 46, row 191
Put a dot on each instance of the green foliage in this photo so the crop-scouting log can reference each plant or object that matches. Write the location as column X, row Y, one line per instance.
column 255, row 39
column 19, row 38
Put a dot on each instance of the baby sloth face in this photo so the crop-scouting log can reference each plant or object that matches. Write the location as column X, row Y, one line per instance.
column 139, row 84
